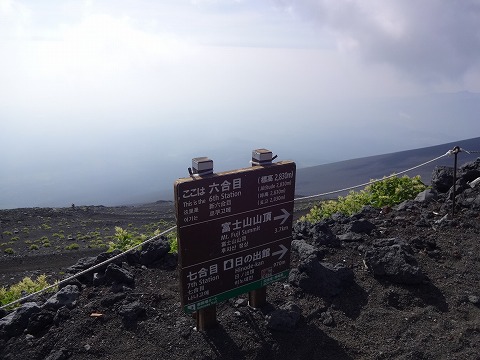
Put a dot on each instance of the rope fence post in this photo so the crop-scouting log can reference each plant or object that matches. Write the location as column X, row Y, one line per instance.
column 455, row 151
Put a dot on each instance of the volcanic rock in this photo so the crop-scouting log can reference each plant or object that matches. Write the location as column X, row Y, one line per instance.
column 393, row 259
column 66, row 296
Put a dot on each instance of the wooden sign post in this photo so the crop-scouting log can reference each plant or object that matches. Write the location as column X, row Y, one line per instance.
column 234, row 232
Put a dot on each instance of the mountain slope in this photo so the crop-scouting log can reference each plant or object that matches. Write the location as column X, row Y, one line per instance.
column 335, row 176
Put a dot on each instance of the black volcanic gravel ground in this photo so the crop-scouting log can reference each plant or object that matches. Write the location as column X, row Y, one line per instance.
column 371, row 317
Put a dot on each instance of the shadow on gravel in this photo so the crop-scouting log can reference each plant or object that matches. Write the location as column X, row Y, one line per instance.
column 307, row 342
column 422, row 295
column 222, row 344
column 351, row 301
column 430, row 295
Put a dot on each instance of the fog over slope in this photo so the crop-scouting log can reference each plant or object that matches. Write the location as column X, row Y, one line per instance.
column 139, row 186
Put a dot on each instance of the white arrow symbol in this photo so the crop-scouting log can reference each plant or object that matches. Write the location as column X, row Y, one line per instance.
column 280, row 252
column 284, row 216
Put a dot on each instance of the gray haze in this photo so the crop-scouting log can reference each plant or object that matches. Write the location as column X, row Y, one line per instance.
column 107, row 102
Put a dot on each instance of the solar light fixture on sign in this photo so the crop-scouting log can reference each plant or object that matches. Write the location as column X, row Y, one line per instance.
column 202, row 166
column 262, row 157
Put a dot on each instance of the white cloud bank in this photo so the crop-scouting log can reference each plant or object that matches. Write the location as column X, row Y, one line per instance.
column 94, row 89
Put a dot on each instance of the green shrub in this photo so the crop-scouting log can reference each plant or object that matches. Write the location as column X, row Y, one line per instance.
column 26, row 286
column 34, row 247
column 9, row 251
column 46, row 227
column 173, row 245
column 124, row 240
column 9, row 233
column 394, row 190
column 73, row 246
column 172, row 240
column 15, row 238
column 97, row 244
column 389, row 191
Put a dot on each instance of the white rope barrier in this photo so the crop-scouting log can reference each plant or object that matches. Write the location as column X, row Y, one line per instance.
column 87, row 270
column 450, row 152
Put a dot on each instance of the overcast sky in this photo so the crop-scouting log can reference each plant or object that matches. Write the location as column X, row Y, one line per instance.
column 98, row 93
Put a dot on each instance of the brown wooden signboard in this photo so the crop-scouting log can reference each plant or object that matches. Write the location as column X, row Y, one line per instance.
column 234, row 232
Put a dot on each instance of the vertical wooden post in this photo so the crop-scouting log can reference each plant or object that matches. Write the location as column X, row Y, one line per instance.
column 206, row 318
column 257, row 298
column 260, row 157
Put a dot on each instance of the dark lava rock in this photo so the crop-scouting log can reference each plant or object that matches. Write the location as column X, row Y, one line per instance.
column 39, row 322
column 132, row 312
column 322, row 235
column 90, row 262
column 110, row 300
column 442, row 178
column 474, row 299
column 82, row 264
column 393, row 259
column 366, row 211
column 361, row 226
column 67, row 296
column 405, row 205
column 422, row 222
column 423, row 243
column 426, row 196
column 323, row 279
column 301, row 230
column 304, row 249
column 326, row 318
column 74, row 281
column 115, row 274
column 16, row 322
column 284, row 319
column 62, row 354
column 154, row 251
column 350, row 236
column 340, row 218
column 61, row 315
column 460, row 187
column 471, row 170
column 316, row 234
